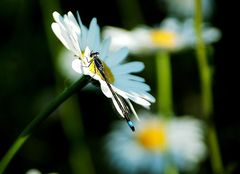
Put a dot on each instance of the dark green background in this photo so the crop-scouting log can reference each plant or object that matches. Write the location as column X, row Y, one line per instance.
column 28, row 80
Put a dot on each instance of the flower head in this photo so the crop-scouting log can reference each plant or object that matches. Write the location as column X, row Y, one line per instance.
column 171, row 35
column 157, row 144
column 83, row 43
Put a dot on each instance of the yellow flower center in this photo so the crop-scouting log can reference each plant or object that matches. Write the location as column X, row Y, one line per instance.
column 164, row 39
column 107, row 71
column 153, row 137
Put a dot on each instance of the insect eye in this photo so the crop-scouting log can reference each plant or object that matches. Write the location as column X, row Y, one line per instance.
column 94, row 54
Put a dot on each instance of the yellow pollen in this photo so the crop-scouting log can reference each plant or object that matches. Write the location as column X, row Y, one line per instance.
column 107, row 72
column 164, row 39
column 153, row 137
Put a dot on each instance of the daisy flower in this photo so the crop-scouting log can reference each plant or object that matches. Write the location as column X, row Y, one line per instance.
column 83, row 42
column 156, row 145
column 170, row 35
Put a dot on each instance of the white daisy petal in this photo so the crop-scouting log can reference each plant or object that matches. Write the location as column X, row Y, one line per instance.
column 104, row 48
column 57, row 17
column 132, row 108
column 73, row 28
column 142, row 94
column 65, row 33
column 139, row 100
column 131, row 85
column 73, row 23
column 80, row 21
column 72, row 35
column 147, row 96
column 83, row 42
column 96, row 42
column 87, row 53
column 105, row 89
column 64, row 66
column 117, row 57
column 56, row 29
column 131, row 77
column 84, row 31
column 77, row 66
column 92, row 34
column 131, row 67
column 63, row 36
column 211, row 35
column 117, row 107
column 134, row 78
column 73, row 32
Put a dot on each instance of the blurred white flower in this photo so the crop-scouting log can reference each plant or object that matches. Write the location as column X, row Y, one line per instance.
column 171, row 35
column 186, row 8
column 82, row 41
column 64, row 65
column 35, row 171
column 156, row 145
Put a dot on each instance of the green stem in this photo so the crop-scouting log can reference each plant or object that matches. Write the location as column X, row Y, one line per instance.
column 171, row 170
column 170, row 167
column 207, row 97
column 33, row 125
column 164, row 82
column 204, row 68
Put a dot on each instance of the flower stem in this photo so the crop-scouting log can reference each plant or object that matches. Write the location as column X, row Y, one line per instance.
column 206, row 87
column 33, row 125
column 164, row 82
column 164, row 96
column 171, row 170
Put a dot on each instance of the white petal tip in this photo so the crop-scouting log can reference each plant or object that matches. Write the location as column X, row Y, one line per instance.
column 55, row 15
column 76, row 65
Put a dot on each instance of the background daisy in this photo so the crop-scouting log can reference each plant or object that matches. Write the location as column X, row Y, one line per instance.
column 170, row 35
column 156, row 145
column 36, row 171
